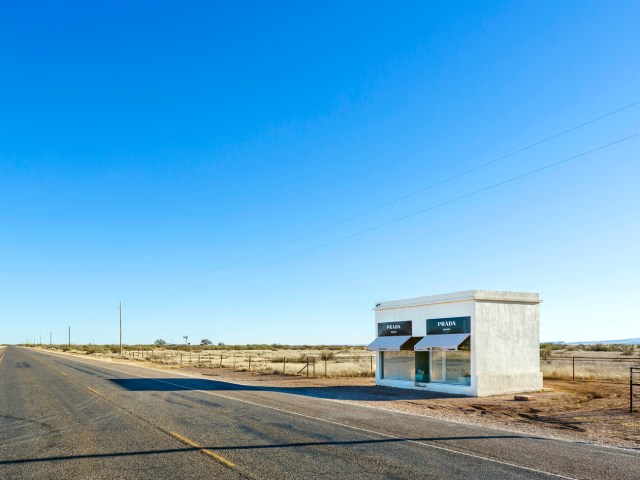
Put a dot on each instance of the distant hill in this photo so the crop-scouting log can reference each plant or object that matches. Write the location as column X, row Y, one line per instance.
column 625, row 341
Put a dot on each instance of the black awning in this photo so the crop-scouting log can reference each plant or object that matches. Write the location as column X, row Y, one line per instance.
column 393, row 343
column 450, row 341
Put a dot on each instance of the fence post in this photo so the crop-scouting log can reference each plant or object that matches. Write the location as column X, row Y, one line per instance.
column 220, row 360
column 249, row 362
column 325, row 367
column 284, row 364
column 573, row 367
column 631, row 390
column 234, row 361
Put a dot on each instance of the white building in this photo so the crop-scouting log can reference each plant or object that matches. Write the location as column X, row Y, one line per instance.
column 474, row 343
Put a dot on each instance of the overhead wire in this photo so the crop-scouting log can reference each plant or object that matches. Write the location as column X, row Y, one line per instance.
column 405, row 217
column 391, row 202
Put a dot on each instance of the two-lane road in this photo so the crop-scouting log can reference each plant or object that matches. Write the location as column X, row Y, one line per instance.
column 68, row 417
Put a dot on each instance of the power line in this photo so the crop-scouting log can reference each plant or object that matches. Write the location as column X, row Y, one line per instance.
column 405, row 217
column 393, row 201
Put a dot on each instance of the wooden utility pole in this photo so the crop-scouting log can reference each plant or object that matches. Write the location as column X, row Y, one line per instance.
column 120, row 329
column 69, row 335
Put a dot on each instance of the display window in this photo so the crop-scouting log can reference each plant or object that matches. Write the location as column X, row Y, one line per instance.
column 452, row 366
column 398, row 365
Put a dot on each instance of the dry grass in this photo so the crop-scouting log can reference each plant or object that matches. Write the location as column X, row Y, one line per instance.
column 346, row 362
column 609, row 366
column 555, row 363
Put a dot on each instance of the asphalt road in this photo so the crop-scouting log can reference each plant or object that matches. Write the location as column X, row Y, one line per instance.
column 70, row 417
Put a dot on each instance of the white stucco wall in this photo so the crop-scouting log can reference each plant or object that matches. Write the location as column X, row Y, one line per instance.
column 507, row 343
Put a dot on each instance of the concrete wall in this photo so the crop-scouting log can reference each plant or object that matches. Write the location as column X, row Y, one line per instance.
column 507, row 347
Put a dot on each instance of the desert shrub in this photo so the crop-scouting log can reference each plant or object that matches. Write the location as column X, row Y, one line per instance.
column 66, row 348
column 327, row 355
column 302, row 358
column 628, row 350
column 599, row 347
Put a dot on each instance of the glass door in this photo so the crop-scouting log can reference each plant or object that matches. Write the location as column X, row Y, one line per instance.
column 422, row 367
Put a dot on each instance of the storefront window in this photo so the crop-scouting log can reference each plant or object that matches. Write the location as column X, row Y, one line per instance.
column 452, row 366
column 458, row 368
column 398, row 365
column 437, row 365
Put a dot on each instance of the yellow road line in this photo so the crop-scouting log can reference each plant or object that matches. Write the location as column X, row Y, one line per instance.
column 92, row 390
column 191, row 443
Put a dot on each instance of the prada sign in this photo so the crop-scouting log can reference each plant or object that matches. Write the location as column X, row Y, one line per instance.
column 440, row 326
column 390, row 329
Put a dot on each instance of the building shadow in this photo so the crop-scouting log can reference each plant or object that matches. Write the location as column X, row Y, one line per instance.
column 362, row 393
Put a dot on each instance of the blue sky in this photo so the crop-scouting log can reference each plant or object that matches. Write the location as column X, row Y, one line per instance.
column 144, row 147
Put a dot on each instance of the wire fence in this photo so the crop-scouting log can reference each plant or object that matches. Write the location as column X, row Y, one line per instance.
column 310, row 365
column 352, row 364
column 634, row 381
column 588, row 368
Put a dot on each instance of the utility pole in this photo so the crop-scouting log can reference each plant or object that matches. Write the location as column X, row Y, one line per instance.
column 120, row 329
column 40, row 339
column 69, row 335
column 50, row 338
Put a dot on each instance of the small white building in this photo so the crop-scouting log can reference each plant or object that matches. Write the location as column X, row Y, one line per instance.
column 474, row 343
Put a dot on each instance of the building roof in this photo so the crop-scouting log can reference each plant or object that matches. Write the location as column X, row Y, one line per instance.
column 466, row 296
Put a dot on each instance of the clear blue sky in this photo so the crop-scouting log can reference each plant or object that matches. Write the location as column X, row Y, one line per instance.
column 147, row 145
